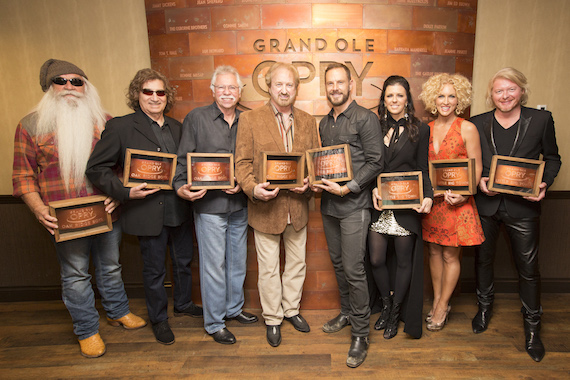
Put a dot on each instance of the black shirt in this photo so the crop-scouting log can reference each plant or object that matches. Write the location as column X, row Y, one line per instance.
column 205, row 131
column 360, row 128
column 504, row 138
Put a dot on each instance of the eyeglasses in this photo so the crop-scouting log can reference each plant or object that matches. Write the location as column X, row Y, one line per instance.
column 74, row 81
column 224, row 88
column 148, row 92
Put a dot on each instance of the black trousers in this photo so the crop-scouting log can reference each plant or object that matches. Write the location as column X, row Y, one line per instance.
column 523, row 234
column 179, row 240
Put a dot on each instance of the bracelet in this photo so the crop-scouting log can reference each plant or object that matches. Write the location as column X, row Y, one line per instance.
column 341, row 194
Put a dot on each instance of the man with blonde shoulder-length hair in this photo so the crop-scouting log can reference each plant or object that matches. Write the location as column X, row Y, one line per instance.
column 51, row 150
column 511, row 129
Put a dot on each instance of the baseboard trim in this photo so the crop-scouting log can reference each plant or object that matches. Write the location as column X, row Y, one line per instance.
column 559, row 285
column 137, row 290
column 52, row 293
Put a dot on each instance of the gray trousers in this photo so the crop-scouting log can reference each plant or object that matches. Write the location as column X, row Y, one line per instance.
column 346, row 239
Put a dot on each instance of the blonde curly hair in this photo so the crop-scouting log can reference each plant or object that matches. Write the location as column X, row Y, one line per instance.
column 432, row 87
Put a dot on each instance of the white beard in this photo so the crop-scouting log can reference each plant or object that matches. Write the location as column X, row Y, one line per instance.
column 74, row 120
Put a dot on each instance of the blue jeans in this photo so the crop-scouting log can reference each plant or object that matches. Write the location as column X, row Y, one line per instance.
column 153, row 249
column 222, row 243
column 77, row 292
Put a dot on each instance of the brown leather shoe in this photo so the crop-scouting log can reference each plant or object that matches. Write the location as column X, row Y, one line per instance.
column 92, row 347
column 129, row 321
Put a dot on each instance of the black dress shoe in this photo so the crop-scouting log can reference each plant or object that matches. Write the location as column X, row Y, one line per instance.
column 163, row 333
column 481, row 320
column 533, row 343
column 245, row 317
column 337, row 323
column 357, row 352
column 193, row 311
column 224, row 336
column 274, row 335
column 299, row 323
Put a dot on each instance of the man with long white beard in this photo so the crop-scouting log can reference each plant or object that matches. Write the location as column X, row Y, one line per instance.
column 51, row 149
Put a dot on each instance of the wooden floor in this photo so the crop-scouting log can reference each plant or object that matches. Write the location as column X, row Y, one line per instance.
column 37, row 342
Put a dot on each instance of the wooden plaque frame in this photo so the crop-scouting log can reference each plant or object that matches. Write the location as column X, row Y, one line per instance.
column 219, row 169
column 403, row 179
column 524, row 180
column 314, row 154
column 84, row 216
column 158, row 158
column 458, row 171
column 298, row 158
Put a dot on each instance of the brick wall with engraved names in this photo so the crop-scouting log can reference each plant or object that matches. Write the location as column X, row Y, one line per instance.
column 375, row 38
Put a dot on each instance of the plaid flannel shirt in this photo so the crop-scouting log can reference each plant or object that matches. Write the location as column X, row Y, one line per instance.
column 36, row 165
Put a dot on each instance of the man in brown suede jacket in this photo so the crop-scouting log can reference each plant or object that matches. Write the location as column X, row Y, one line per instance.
column 277, row 127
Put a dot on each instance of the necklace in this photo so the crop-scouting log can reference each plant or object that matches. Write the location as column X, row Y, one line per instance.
column 514, row 143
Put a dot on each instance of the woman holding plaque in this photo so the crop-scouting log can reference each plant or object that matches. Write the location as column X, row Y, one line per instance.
column 406, row 139
column 453, row 221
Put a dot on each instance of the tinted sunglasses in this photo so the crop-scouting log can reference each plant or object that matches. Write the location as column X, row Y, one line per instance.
column 148, row 92
column 74, row 81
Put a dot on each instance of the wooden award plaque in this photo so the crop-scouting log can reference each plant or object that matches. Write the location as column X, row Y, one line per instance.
column 401, row 190
column 332, row 162
column 457, row 175
column 155, row 168
column 517, row 176
column 283, row 170
column 80, row 217
column 210, row 170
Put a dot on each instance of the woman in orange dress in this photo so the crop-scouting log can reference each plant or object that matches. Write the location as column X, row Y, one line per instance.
column 453, row 221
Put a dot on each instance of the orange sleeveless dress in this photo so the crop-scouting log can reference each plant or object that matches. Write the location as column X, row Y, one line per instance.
column 451, row 225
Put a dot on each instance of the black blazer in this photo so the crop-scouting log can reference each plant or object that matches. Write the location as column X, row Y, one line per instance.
column 140, row 217
column 536, row 138
column 408, row 156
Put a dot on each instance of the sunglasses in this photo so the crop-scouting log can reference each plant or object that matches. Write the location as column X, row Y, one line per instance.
column 74, row 81
column 148, row 92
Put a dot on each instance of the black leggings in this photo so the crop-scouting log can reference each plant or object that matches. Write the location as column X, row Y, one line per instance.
column 404, row 246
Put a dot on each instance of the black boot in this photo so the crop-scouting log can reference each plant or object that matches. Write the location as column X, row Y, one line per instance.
column 357, row 352
column 384, row 314
column 481, row 320
column 393, row 321
column 533, row 344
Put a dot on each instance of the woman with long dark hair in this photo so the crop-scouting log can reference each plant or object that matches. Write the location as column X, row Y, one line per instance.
column 399, row 277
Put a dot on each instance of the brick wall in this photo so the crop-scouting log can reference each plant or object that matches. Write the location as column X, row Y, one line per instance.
column 375, row 38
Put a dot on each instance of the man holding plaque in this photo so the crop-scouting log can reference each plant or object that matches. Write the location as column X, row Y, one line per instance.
column 517, row 131
column 51, row 150
column 220, row 216
column 157, row 217
column 345, row 207
column 277, row 127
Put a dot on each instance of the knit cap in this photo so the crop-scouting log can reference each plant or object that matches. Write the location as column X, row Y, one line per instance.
column 53, row 68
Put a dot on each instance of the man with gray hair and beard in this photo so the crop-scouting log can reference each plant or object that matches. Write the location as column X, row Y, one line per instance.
column 51, row 149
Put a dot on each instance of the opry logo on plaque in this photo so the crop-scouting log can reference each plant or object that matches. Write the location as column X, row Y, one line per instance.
column 83, row 217
column 453, row 176
column 515, row 176
column 210, row 171
column 401, row 190
column 149, row 169
column 281, row 170
column 330, row 164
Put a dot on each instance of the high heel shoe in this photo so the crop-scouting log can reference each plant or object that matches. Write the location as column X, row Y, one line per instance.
column 430, row 314
column 431, row 326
